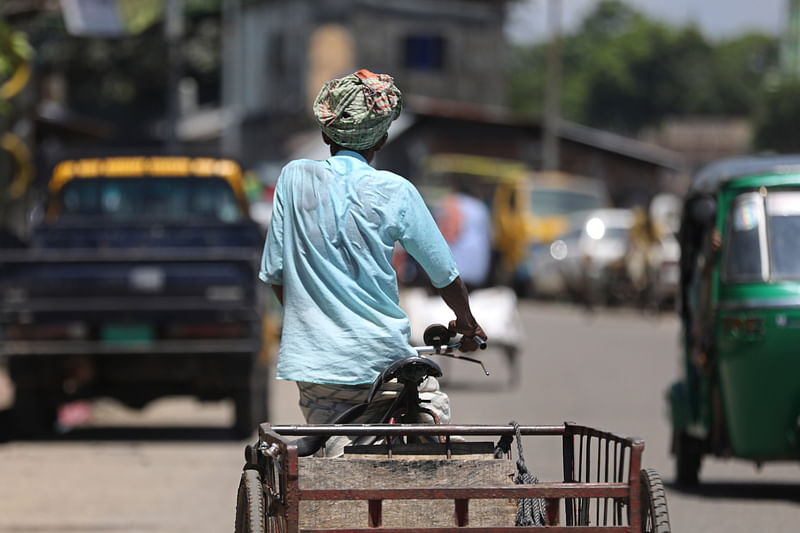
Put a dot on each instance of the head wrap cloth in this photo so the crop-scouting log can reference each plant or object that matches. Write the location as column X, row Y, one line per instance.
column 356, row 111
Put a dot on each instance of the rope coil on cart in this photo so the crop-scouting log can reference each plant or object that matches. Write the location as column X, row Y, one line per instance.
column 530, row 511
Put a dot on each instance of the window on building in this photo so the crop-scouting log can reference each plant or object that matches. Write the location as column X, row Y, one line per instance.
column 424, row 52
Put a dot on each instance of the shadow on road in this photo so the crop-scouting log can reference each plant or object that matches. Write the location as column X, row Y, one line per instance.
column 151, row 433
column 131, row 433
column 728, row 490
column 137, row 434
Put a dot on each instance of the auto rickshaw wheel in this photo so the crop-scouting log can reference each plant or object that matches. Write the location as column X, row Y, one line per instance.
column 653, row 501
column 688, row 455
column 250, row 504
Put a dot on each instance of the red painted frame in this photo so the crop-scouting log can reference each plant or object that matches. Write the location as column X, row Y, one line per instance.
column 600, row 468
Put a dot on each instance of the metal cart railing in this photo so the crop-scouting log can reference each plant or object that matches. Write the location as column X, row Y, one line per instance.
column 604, row 487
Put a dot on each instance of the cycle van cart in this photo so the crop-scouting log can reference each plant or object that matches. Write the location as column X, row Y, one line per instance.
column 604, row 488
column 443, row 478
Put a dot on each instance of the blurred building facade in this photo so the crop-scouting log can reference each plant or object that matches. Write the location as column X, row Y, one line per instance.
column 701, row 140
column 449, row 49
column 447, row 56
column 633, row 171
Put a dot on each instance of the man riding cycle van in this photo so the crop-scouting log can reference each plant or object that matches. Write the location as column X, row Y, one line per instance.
column 328, row 258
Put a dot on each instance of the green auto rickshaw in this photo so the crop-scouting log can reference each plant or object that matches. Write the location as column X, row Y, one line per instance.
column 740, row 312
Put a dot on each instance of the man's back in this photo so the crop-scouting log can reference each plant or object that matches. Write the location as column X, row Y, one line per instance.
column 337, row 222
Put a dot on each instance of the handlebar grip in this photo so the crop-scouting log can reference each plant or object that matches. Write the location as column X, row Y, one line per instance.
column 479, row 341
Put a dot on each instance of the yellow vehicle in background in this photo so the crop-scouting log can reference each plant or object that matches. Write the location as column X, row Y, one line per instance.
column 538, row 209
column 528, row 207
column 141, row 282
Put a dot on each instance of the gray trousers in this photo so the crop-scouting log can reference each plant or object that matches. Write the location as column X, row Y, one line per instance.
column 322, row 403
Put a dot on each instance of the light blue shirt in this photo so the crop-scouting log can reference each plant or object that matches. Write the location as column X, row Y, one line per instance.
column 330, row 245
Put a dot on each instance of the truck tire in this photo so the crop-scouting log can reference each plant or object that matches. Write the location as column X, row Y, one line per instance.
column 251, row 403
column 32, row 415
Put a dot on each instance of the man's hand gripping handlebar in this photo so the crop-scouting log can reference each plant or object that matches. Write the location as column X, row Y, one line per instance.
column 437, row 338
column 472, row 337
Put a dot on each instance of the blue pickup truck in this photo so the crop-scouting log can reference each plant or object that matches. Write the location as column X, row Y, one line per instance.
column 140, row 283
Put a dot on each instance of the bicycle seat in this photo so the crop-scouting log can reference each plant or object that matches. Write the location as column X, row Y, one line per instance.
column 408, row 371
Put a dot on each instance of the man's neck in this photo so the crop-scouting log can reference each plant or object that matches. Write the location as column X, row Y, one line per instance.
column 368, row 155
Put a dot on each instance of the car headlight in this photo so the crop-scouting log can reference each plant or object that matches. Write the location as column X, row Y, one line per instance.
column 595, row 228
column 558, row 250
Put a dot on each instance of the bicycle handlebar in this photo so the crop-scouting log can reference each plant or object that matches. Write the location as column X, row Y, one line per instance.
column 449, row 347
column 447, row 350
column 479, row 341
column 309, row 444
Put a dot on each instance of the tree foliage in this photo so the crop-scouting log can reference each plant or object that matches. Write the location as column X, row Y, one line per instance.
column 777, row 118
column 15, row 53
column 124, row 80
column 623, row 71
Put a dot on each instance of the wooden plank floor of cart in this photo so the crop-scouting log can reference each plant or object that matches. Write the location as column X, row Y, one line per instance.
column 472, row 464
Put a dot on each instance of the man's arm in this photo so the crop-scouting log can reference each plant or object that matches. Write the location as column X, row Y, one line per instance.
column 456, row 296
column 422, row 239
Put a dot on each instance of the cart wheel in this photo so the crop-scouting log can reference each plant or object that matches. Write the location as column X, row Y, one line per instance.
column 250, row 505
column 688, row 457
column 655, row 518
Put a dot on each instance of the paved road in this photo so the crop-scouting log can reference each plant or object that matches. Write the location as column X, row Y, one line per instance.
column 172, row 468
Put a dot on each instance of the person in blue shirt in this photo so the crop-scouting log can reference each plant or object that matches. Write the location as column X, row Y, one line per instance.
column 466, row 224
column 328, row 257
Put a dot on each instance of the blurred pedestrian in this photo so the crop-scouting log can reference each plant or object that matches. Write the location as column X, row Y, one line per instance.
column 643, row 257
column 465, row 222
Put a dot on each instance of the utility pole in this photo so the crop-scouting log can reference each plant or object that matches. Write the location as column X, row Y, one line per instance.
column 173, row 32
column 232, row 66
column 552, row 96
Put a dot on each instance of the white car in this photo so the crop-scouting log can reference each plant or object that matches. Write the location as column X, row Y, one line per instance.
column 582, row 255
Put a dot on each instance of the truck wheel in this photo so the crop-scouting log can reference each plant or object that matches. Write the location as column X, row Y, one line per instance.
column 32, row 416
column 653, row 501
column 250, row 505
column 251, row 404
column 688, row 456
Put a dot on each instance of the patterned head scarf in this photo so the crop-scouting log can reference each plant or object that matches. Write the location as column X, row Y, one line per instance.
column 356, row 111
